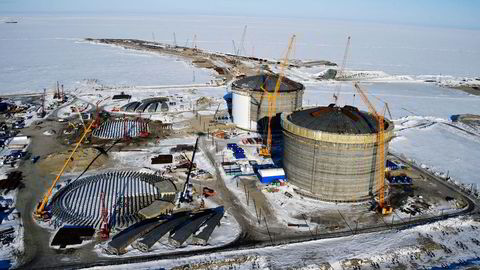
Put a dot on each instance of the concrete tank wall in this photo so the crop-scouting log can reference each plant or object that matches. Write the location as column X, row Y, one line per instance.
column 331, row 167
column 241, row 110
column 254, row 105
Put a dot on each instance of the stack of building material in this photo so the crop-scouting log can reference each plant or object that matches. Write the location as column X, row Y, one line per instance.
column 184, row 231
column 204, row 233
column 123, row 239
column 156, row 209
column 158, row 232
column 117, row 129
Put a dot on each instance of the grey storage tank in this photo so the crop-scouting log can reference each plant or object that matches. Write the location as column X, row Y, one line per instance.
column 330, row 152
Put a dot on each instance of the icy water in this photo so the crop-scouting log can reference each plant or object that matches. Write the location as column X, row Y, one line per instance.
column 40, row 50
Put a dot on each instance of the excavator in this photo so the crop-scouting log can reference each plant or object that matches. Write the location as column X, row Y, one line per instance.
column 41, row 213
column 382, row 206
column 266, row 151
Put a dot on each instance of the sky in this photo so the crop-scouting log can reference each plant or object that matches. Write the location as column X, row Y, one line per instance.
column 444, row 13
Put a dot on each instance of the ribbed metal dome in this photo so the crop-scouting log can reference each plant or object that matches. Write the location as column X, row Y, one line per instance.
column 333, row 119
column 268, row 82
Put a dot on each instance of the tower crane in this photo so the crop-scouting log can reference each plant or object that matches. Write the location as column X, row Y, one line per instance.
column 272, row 100
column 234, row 47
column 40, row 212
column 242, row 41
column 383, row 207
column 336, row 95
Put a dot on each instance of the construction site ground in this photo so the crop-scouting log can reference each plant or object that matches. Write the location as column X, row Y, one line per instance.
column 263, row 217
column 263, row 220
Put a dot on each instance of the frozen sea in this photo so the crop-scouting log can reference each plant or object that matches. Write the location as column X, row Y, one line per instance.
column 40, row 50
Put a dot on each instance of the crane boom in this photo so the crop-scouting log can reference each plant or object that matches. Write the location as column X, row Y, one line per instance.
column 242, row 42
column 380, row 155
column 234, row 48
column 40, row 211
column 341, row 70
column 272, row 99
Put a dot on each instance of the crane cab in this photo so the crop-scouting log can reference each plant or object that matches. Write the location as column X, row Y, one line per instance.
column 264, row 152
column 386, row 210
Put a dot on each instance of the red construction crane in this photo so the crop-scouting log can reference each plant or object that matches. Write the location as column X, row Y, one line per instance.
column 143, row 127
column 104, row 229
column 383, row 207
column 97, row 113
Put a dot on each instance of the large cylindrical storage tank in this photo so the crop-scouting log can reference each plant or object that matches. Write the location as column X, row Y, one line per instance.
column 250, row 103
column 330, row 152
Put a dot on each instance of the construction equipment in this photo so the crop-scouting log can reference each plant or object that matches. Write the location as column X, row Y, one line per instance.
column 383, row 207
column 187, row 193
column 81, row 118
column 41, row 213
column 336, row 95
column 242, row 41
column 208, row 192
column 272, row 101
column 97, row 113
column 42, row 112
column 119, row 204
column 143, row 132
column 234, row 47
column 104, row 229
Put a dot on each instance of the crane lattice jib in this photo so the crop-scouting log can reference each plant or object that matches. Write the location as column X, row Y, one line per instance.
column 272, row 97
column 342, row 69
column 41, row 208
column 380, row 157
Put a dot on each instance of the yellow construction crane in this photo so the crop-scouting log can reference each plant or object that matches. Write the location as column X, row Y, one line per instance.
column 272, row 100
column 40, row 213
column 383, row 207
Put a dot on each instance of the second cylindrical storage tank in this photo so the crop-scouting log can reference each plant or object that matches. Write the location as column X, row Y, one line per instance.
column 250, row 102
column 330, row 152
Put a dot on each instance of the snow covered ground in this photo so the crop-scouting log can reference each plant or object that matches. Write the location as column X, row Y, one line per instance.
column 441, row 147
column 438, row 244
column 10, row 251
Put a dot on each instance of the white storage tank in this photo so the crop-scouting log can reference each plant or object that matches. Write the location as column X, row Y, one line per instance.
column 250, row 104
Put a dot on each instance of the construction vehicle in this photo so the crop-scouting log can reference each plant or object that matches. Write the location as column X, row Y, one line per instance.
column 104, row 229
column 272, row 101
column 187, row 193
column 382, row 206
column 41, row 213
column 208, row 192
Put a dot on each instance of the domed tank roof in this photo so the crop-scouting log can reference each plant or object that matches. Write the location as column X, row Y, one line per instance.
column 333, row 119
column 268, row 82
